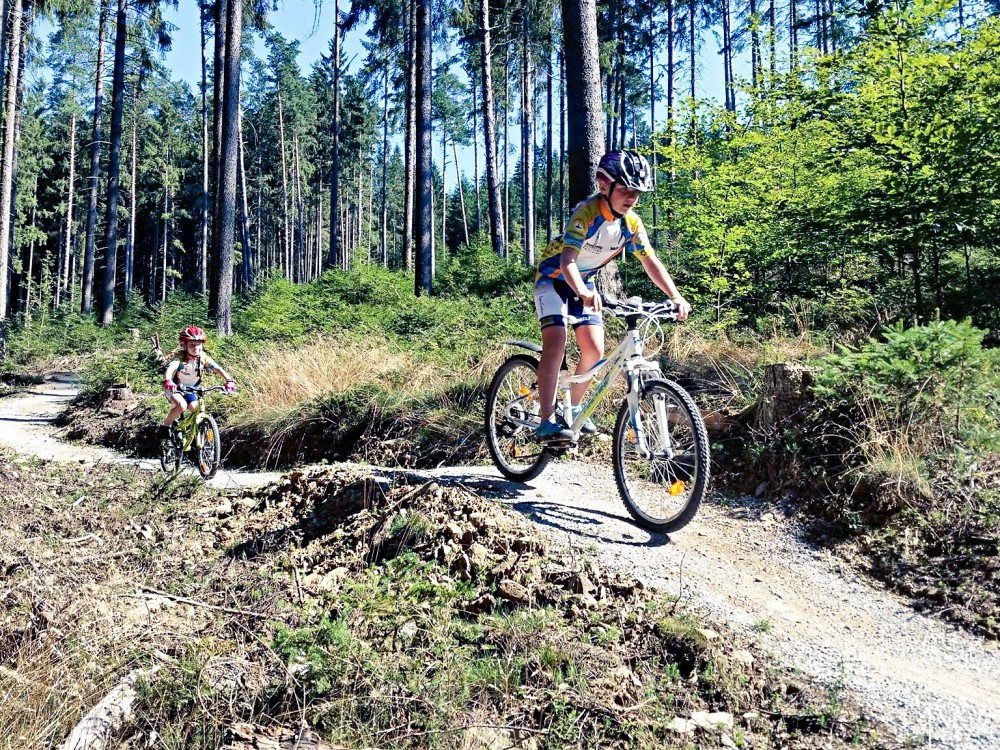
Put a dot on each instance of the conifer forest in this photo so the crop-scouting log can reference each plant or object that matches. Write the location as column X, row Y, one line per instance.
column 848, row 174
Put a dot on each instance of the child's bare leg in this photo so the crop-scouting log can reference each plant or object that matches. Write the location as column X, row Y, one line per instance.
column 176, row 410
column 590, row 339
column 553, row 349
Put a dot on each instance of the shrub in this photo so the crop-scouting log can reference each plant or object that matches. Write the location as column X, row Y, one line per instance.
column 936, row 380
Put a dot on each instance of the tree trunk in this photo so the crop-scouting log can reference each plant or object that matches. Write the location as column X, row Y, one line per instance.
column 335, row 259
column 219, row 91
column 793, row 35
column 203, row 218
column 489, row 136
column 755, row 67
column 409, row 192
column 130, row 240
column 693, row 53
column 444, row 193
column 609, row 83
column 562, row 142
column 423, row 278
column 383, row 193
column 300, row 249
column 548, row 140
column 585, row 144
column 163, row 271
column 95, row 168
column 652, row 113
column 21, row 18
column 286, row 237
column 528, row 160
column 461, row 194
column 228, row 171
column 475, row 154
column 114, row 169
column 63, row 284
column 26, row 310
column 506, row 144
column 248, row 279
column 772, row 20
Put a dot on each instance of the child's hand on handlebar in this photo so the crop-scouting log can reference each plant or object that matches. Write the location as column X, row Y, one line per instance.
column 683, row 308
column 230, row 386
column 170, row 386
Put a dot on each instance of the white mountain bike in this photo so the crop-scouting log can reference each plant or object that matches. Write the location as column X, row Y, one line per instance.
column 660, row 447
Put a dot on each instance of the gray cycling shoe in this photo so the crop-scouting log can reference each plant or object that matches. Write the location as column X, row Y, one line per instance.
column 552, row 432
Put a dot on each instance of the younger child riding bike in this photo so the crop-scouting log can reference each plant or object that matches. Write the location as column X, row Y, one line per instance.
column 600, row 228
column 184, row 369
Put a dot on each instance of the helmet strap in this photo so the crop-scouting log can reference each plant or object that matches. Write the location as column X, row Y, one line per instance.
column 607, row 199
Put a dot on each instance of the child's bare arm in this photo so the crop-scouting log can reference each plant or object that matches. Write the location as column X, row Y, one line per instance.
column 658, row 274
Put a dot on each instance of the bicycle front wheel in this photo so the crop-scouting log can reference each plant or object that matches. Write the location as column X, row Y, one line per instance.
column 661, row 457
column 170, row 452
column 209, row 448
column 511, row 418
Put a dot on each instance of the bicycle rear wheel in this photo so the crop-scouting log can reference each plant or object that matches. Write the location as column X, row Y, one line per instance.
column 170, row 452
column 661, row 458
column 511, row 418
column 209, row 447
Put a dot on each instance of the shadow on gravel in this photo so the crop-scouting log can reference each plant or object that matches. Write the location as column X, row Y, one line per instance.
column 586, row 522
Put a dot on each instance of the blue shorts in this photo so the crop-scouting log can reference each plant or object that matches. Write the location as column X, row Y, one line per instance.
column 556, row 302
column 188, row 397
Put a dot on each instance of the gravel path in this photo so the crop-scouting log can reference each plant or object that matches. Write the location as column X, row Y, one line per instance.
column 749, row 569
column 26, row 427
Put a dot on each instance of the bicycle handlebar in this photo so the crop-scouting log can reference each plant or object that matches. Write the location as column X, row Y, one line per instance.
column 199, row 390
column 665, row 310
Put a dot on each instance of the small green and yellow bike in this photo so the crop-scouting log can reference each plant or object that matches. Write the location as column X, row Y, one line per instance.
column 194, row 434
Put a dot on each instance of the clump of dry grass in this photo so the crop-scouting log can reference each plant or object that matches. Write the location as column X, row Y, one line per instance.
column 291, row 377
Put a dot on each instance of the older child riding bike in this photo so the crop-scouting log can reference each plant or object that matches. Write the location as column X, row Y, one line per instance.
column 600, row 229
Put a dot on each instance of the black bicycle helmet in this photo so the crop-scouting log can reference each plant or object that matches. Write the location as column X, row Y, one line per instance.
column 627, row 168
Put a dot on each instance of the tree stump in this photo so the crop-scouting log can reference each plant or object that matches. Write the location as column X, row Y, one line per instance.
column 118, row 392
column 787, row 389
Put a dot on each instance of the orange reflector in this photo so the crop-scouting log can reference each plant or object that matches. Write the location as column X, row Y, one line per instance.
column 677, row 487
column 210, row 435
column 524, row 391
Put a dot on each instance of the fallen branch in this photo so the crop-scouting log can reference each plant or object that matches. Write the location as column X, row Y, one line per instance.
column 107, row 717
column 205, row 605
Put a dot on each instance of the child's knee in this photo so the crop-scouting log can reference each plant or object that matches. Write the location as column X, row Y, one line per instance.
column 192, row 406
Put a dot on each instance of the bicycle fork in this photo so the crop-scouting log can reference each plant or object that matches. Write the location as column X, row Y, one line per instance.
column 639, row 429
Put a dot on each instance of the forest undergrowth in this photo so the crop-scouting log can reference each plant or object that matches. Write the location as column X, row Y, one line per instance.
column 892, row 458
column 369, row 610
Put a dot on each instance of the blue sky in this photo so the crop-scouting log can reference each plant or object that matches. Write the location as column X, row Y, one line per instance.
column 312, row 26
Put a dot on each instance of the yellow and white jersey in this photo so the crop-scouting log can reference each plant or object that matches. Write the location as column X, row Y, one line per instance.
column 598, row 236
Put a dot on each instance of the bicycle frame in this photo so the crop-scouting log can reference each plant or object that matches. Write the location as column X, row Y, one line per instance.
column 187, row 423
column 627, row 356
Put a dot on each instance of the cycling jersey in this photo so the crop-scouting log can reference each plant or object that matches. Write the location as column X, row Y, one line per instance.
column 189, row 370
column 598, row 236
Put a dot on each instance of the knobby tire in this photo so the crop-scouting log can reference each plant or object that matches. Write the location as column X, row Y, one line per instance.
column 514, row 450
column 662, row 494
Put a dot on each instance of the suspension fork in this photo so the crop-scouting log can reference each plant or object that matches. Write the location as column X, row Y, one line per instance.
column 633, row 397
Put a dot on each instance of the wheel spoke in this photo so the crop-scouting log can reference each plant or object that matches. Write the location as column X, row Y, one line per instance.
column 513, row 400
column 662, row 470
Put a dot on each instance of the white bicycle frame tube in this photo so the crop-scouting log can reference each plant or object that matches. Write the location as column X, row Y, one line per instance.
column 627, row 356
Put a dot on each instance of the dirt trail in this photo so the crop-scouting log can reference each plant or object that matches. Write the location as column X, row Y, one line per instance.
column 27, row 427
column 749, row 569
